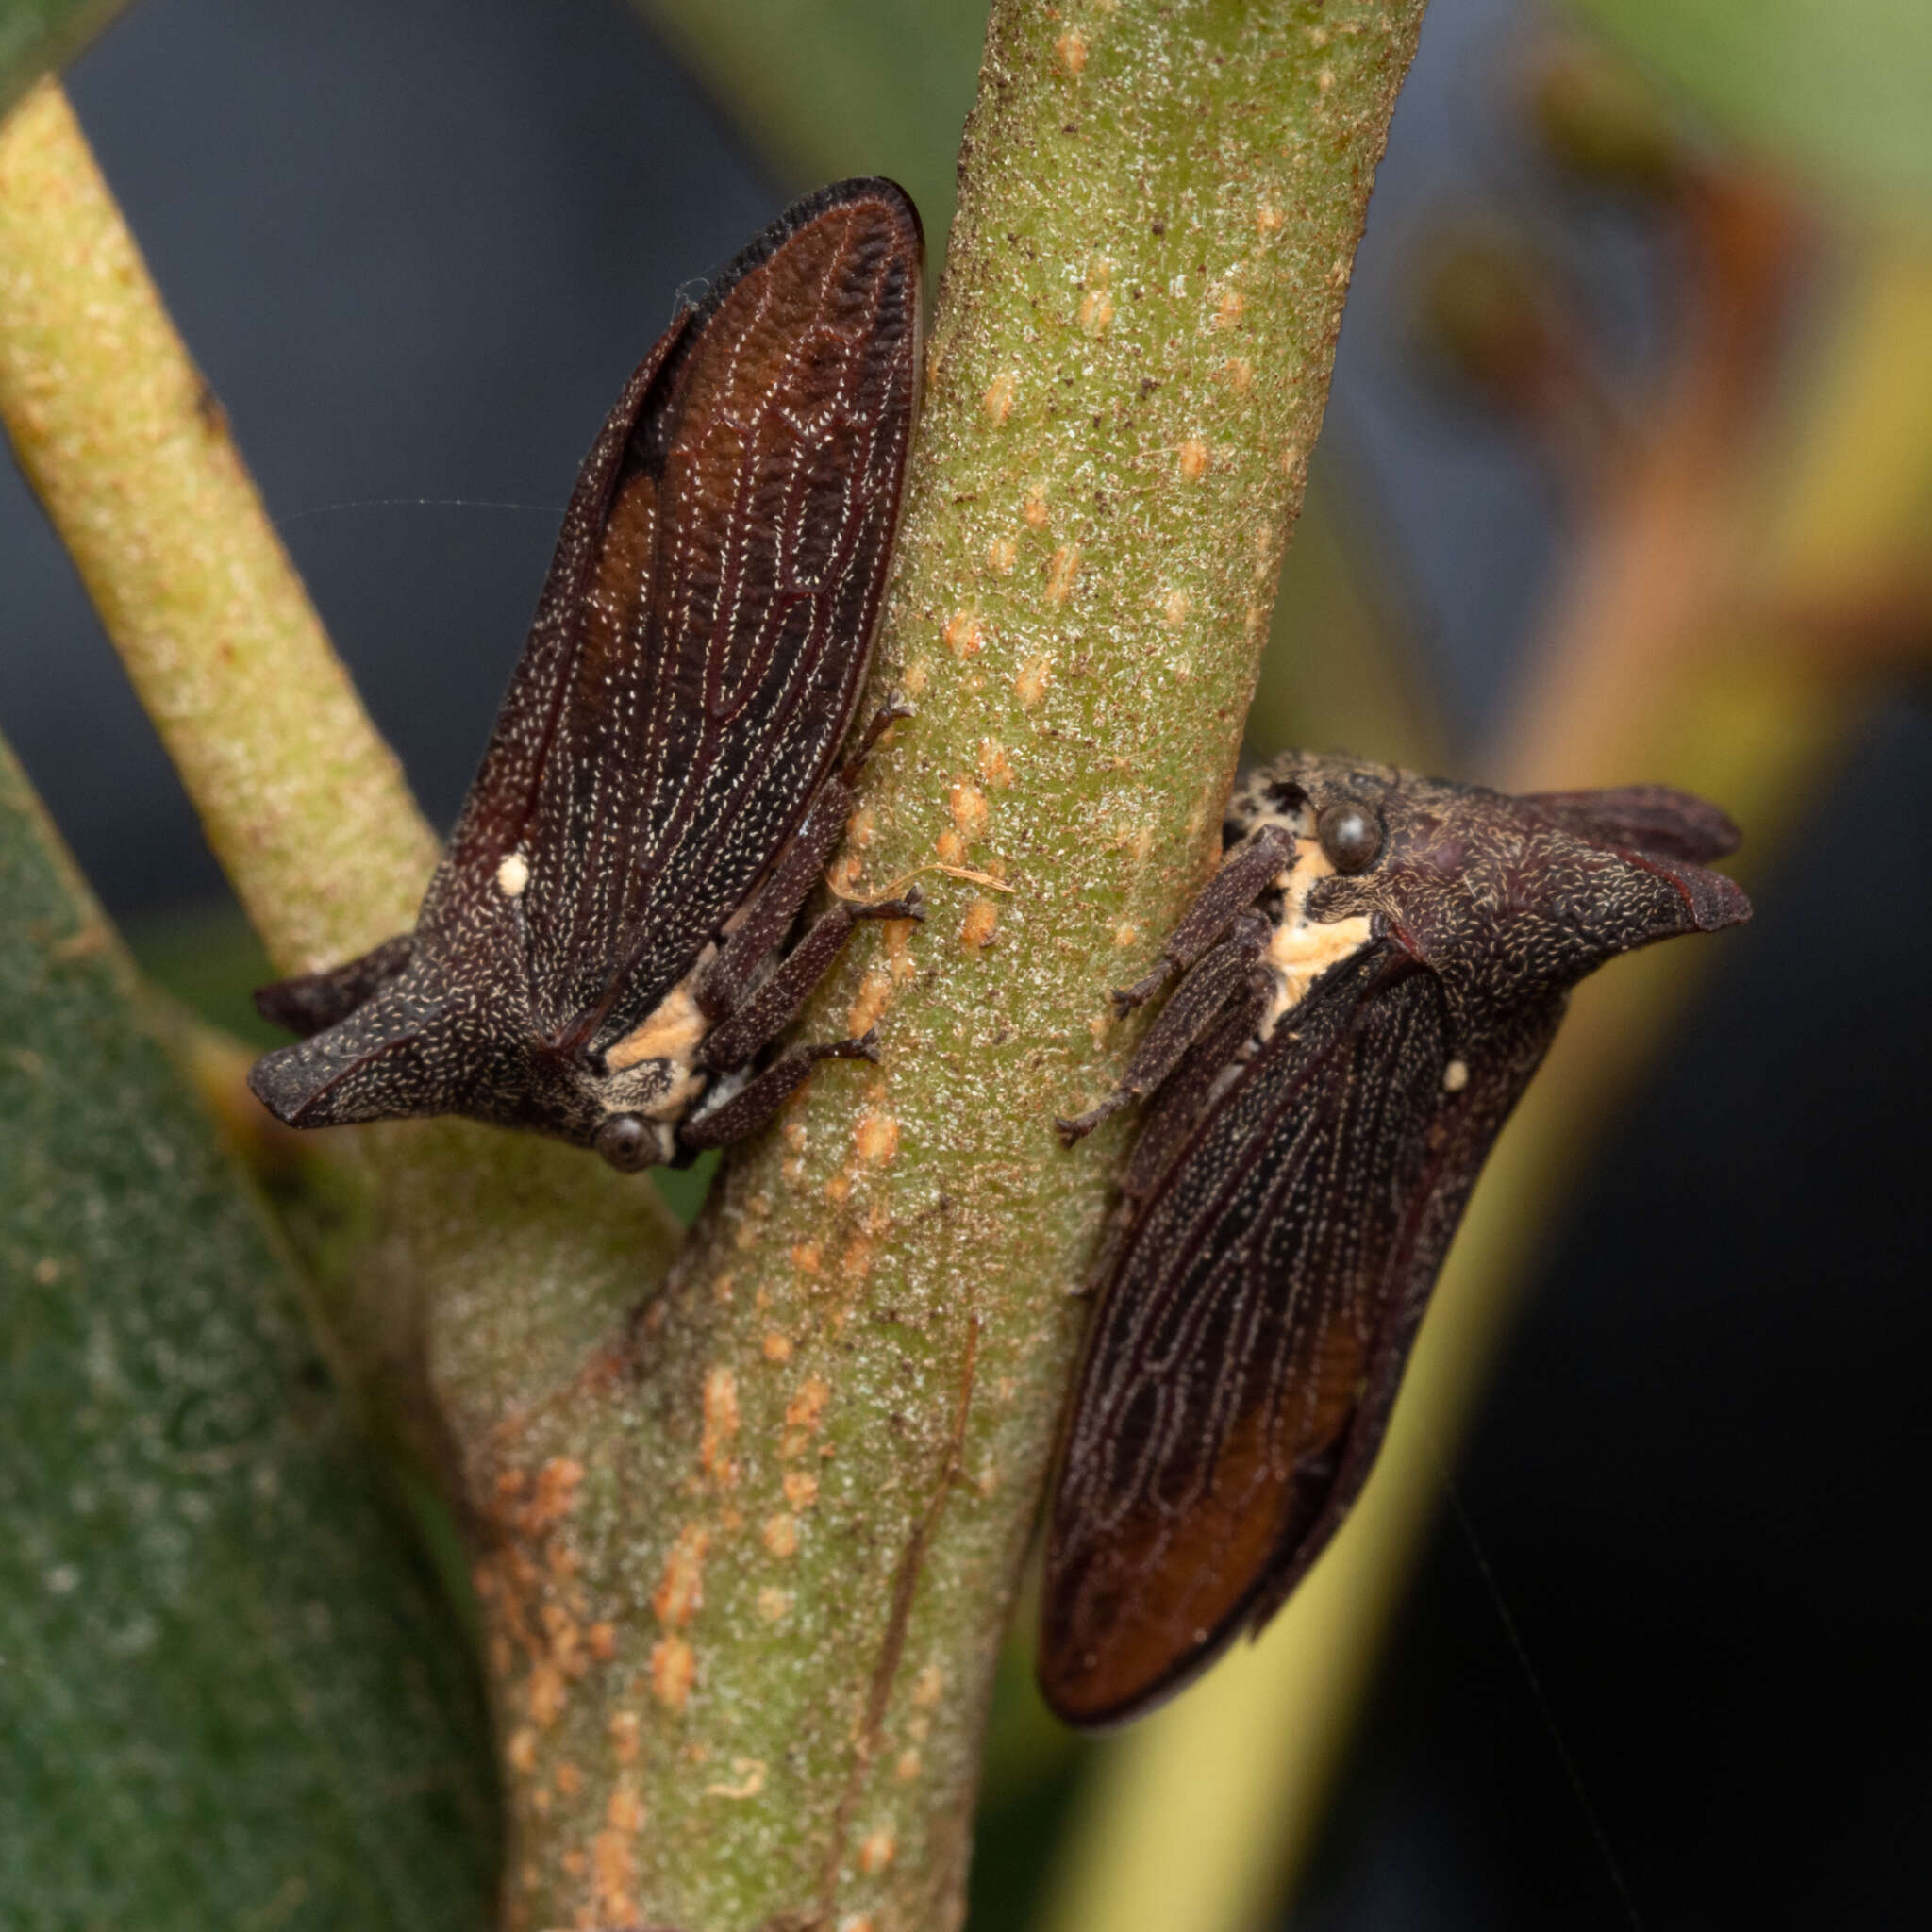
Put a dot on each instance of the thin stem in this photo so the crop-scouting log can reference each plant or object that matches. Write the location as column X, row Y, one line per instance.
column 129, row 450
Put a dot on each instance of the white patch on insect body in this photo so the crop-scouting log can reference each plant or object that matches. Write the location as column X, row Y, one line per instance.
column 1301, row 949
column 513, row 875
column 1456, row 1076
column 651, row 1070
column 673, row 1030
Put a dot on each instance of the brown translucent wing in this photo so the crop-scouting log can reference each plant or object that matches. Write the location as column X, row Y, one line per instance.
column 1252, row 1331
column 704, row 630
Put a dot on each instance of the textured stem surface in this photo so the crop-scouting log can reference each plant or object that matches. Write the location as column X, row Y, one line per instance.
column 129, row 450
column 752, row 1573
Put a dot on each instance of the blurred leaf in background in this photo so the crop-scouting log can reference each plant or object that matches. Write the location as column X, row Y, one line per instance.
column 231, row 1692
column 1839, row 92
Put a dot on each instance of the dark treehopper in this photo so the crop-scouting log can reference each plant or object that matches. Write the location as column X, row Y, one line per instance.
column 597, row 954
column 1367, row 984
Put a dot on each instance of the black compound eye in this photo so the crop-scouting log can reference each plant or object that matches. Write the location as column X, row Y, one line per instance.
column 626, row 1144
column 1350, row 835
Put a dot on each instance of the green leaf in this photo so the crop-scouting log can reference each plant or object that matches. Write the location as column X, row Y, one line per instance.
column 1839, row 91
column 231, row 1694
column 38, row 35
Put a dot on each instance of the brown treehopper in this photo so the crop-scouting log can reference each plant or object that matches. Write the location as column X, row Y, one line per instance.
column 598, row 955
column 1368, row 983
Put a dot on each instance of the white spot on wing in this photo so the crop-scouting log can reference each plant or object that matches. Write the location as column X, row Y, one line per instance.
column 512, row 875
column 1456, row 1076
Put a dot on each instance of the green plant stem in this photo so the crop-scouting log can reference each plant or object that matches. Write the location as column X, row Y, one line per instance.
column 127, row 448
column 841, row 1409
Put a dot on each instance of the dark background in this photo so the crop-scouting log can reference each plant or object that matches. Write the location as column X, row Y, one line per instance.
column 416, row 246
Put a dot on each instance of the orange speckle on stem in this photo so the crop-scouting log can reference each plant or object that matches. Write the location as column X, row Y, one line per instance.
column 909, row 1766
column 1034, row 508
column 995, row 767
column 1062, row 567
column 1070, row 49
column 557, row 1494
column 964, row 635
column 626, row 1728
column 720, row 1424
column 1193, row 459
column 877, row 1850
column 998, row 400
column 614, row 1871
column 780, row 1535
column 805, row 1258
column 547, row 1692
column 806, row 1409
column 626, row 1810
column 898, row 938
column 775, row 1606
column 1175, row 608
column 1096, row 312
column 928, row 1688
column 1240, row 372
column 801, row 1489
column 1229, row 306
column 967, row 802
column 673, row 1666
column 1268, row 219
column 748, row 1783
column 570, row 1780
column 875, row 1138
column 981, row 922
column 681, row 1588
column 1031, row 680
column 875, row 992
column 603, row 1642
column 566, row 1641
column 949, row 848
column 522, row 1750
column 1002, row 555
